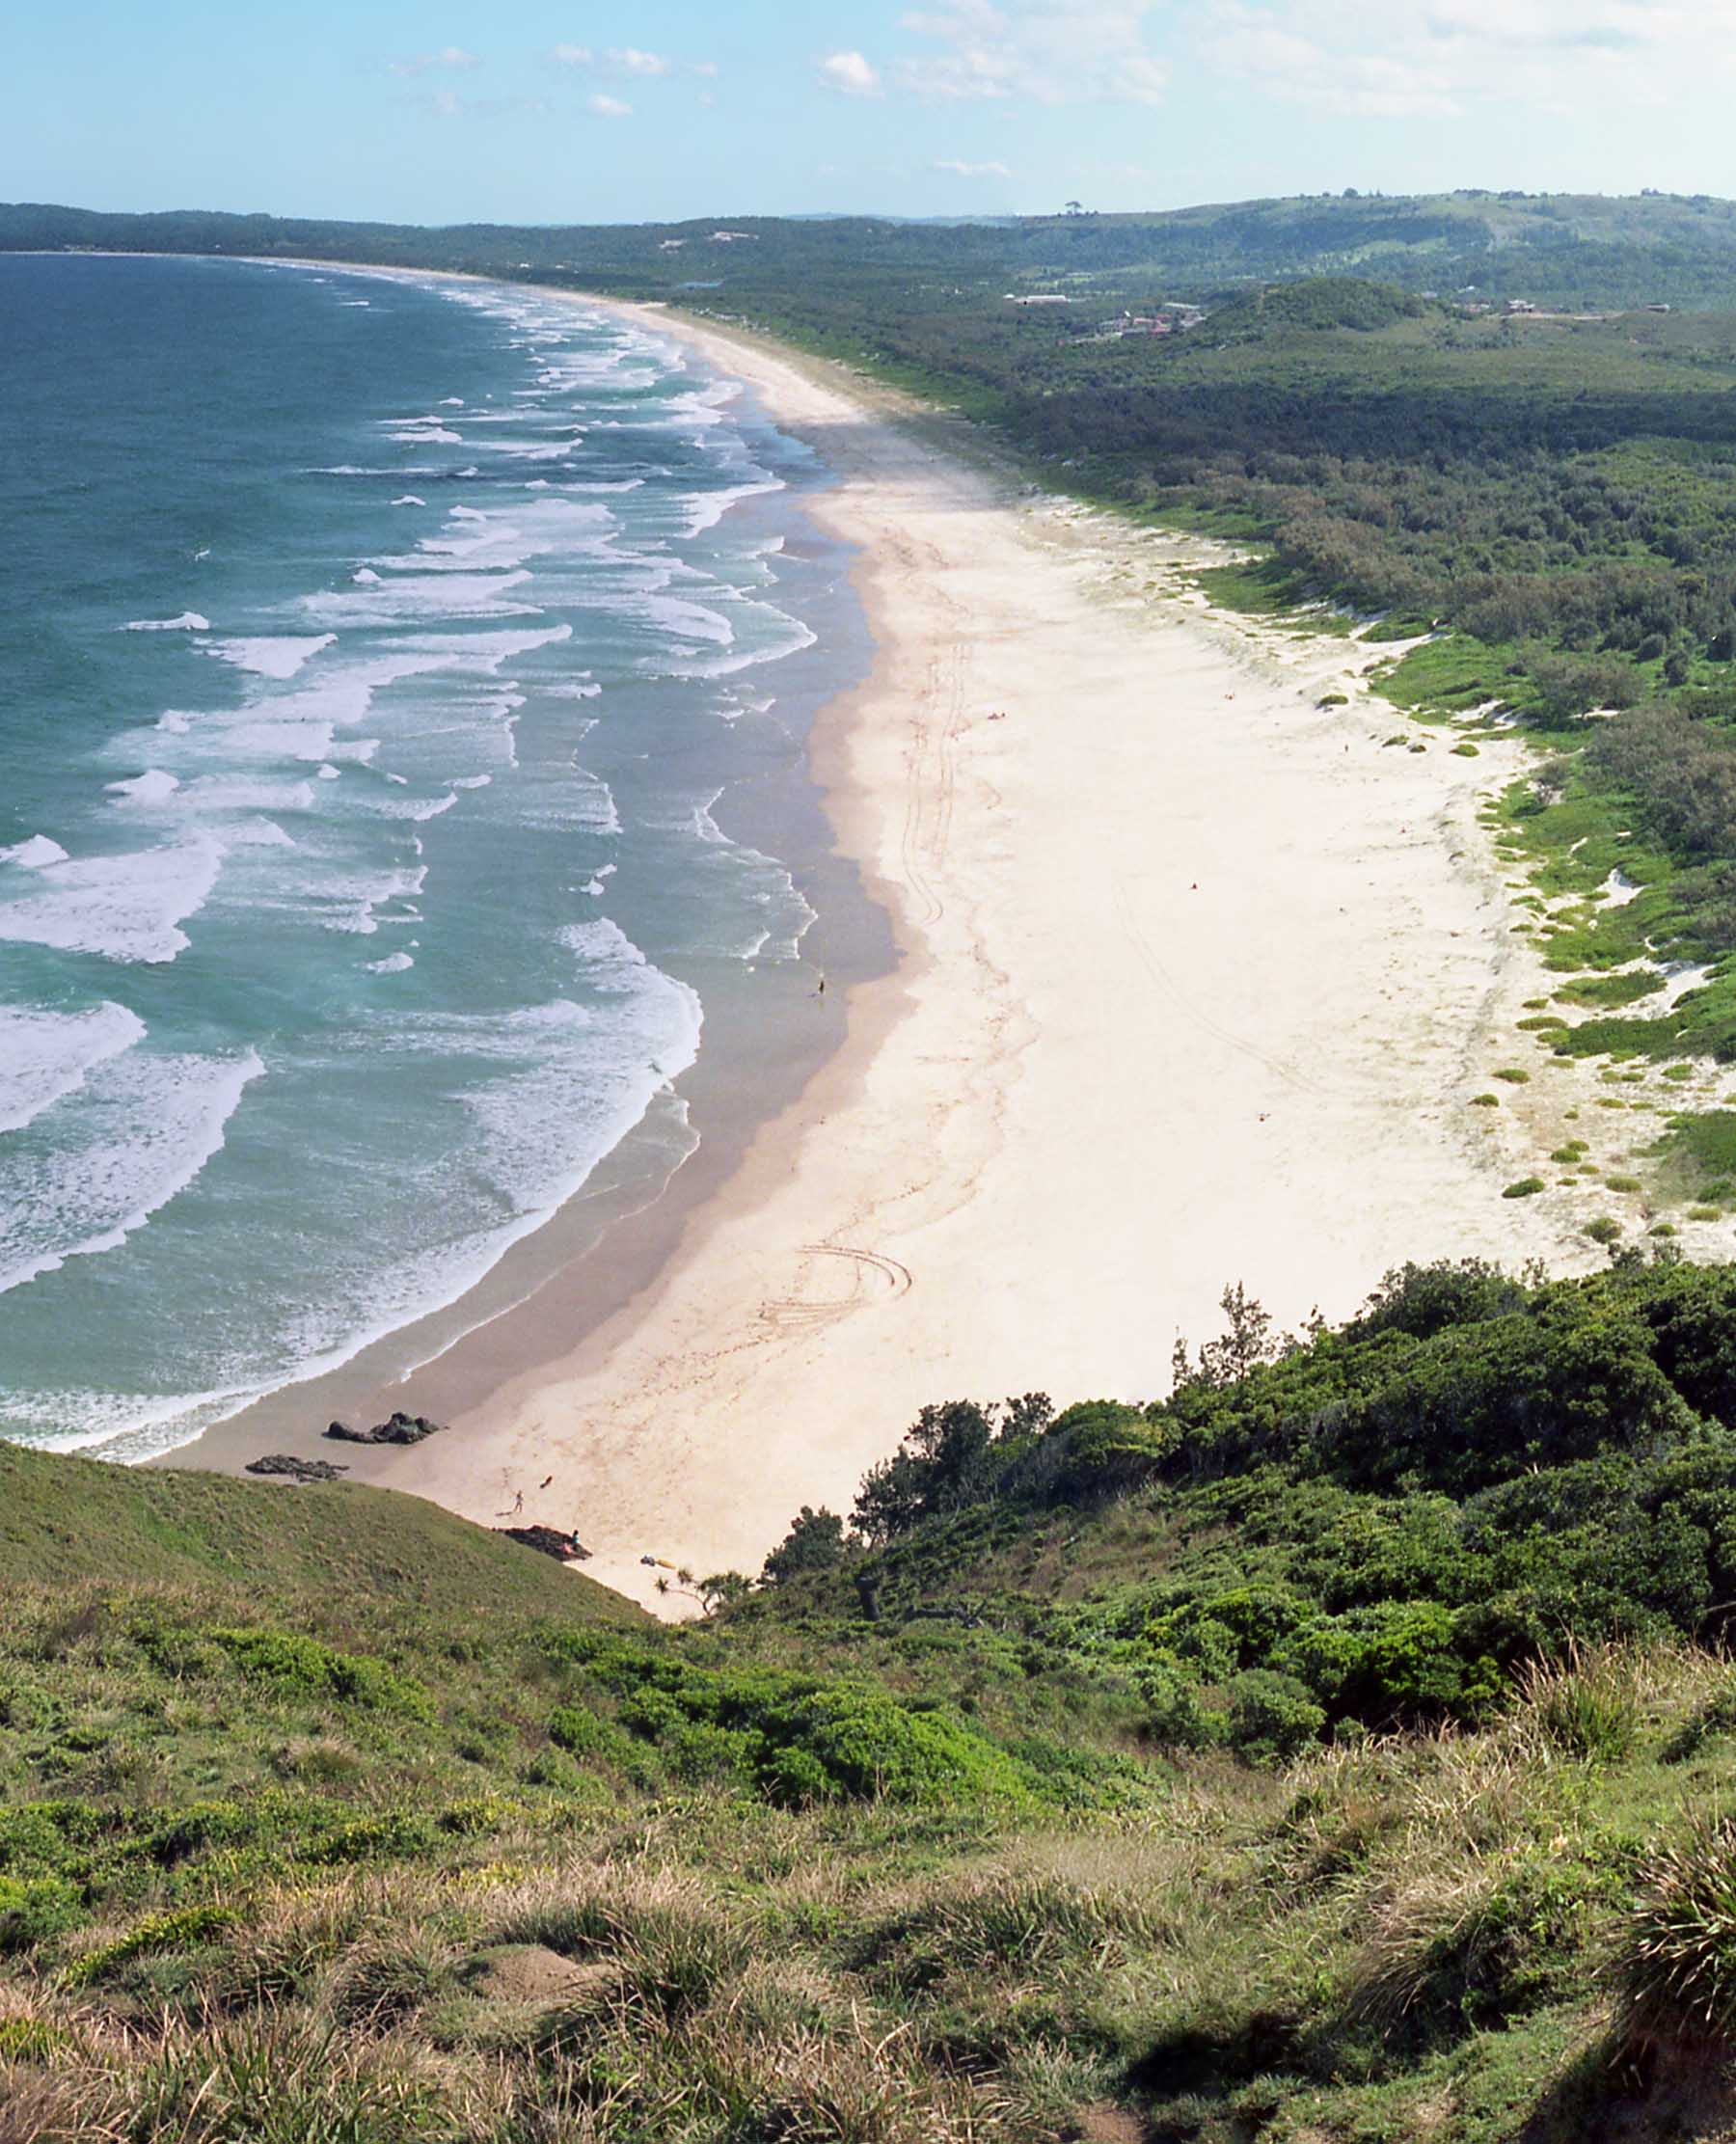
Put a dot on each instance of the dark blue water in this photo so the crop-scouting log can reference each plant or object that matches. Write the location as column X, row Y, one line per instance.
column 376, row 662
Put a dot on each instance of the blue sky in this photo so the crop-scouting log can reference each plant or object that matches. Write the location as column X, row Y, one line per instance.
column 590, row 112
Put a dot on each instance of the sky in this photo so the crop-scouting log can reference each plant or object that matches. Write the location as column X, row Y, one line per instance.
column 438, row 111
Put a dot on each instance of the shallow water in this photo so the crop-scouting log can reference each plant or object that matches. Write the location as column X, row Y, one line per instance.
column 382, row 664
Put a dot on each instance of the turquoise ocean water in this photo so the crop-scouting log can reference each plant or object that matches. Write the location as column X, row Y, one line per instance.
column 402, row 688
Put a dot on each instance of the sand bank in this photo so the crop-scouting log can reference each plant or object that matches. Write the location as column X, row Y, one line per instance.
column 1197, row 981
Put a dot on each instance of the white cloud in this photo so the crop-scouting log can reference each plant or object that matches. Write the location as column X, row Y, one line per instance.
column 607, row 107
column 708, row 68
column 851, row 72
column 626, row 60
column 1043, row 51
column 961, row 170
column 449, row 56
column 448, row 104
column 1370, row 57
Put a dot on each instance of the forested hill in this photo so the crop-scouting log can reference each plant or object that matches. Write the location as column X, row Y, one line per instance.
column 1557, row 248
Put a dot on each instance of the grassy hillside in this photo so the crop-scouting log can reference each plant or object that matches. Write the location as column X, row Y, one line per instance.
column 71, row 1522
column 1337, row 1750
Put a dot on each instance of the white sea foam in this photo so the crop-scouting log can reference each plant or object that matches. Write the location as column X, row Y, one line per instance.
column 142, row 1130
column 351, row 903
column 784, row 635
column 34, row 855
column 246, row 792
column 395, row 963
column 275, row 656
column 418, row 810
column 44, row 1055
column 149, row 788
column 124, row 907
column 704, row 509
column 189, row 621
column 431, row 596
column 409, row 500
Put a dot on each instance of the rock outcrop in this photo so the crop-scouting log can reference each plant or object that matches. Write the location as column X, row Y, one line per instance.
column 402, row 1428
column 548, row 1541
column 292, row 1469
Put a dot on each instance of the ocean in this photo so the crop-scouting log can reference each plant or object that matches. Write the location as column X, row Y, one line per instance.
column 404, row 694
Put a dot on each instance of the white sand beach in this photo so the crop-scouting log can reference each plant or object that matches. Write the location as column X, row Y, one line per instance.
column 1197, row 981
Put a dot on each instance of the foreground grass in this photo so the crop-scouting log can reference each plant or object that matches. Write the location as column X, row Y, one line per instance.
column 1338, row 1752
column 1453, row 1935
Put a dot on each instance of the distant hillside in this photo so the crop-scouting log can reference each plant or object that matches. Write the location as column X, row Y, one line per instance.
column 1561, row 248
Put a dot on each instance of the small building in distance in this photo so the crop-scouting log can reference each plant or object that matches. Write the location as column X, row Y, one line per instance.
column 1516, row 305
column 1163, row 319
column 1037, row 297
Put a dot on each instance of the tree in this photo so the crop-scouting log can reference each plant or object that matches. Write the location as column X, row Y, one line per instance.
column 1251, row 1339
column 815, row 1542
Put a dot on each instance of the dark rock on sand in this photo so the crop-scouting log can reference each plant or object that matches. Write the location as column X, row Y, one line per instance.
column 548, row 1541
column 292, row 1469
column 402, row 1428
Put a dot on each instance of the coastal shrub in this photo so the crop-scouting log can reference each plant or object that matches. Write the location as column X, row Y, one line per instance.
column 1604, row 1230
column 1102, row 1448
column 303, row 1667
column 1515, row 1076
column 34, row 1907
column 1527, row 1187
column 1587, row 1706
column 1675, row 1962
column 1271, row 1717
column 1178, row 1715
column 793, row 1739
column 188, row 1929
column 44, row 1837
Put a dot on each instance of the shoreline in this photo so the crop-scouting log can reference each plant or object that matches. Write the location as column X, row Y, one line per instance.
column 1187, row 992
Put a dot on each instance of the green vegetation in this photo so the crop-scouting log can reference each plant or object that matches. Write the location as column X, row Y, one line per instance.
column 1336, row 1749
